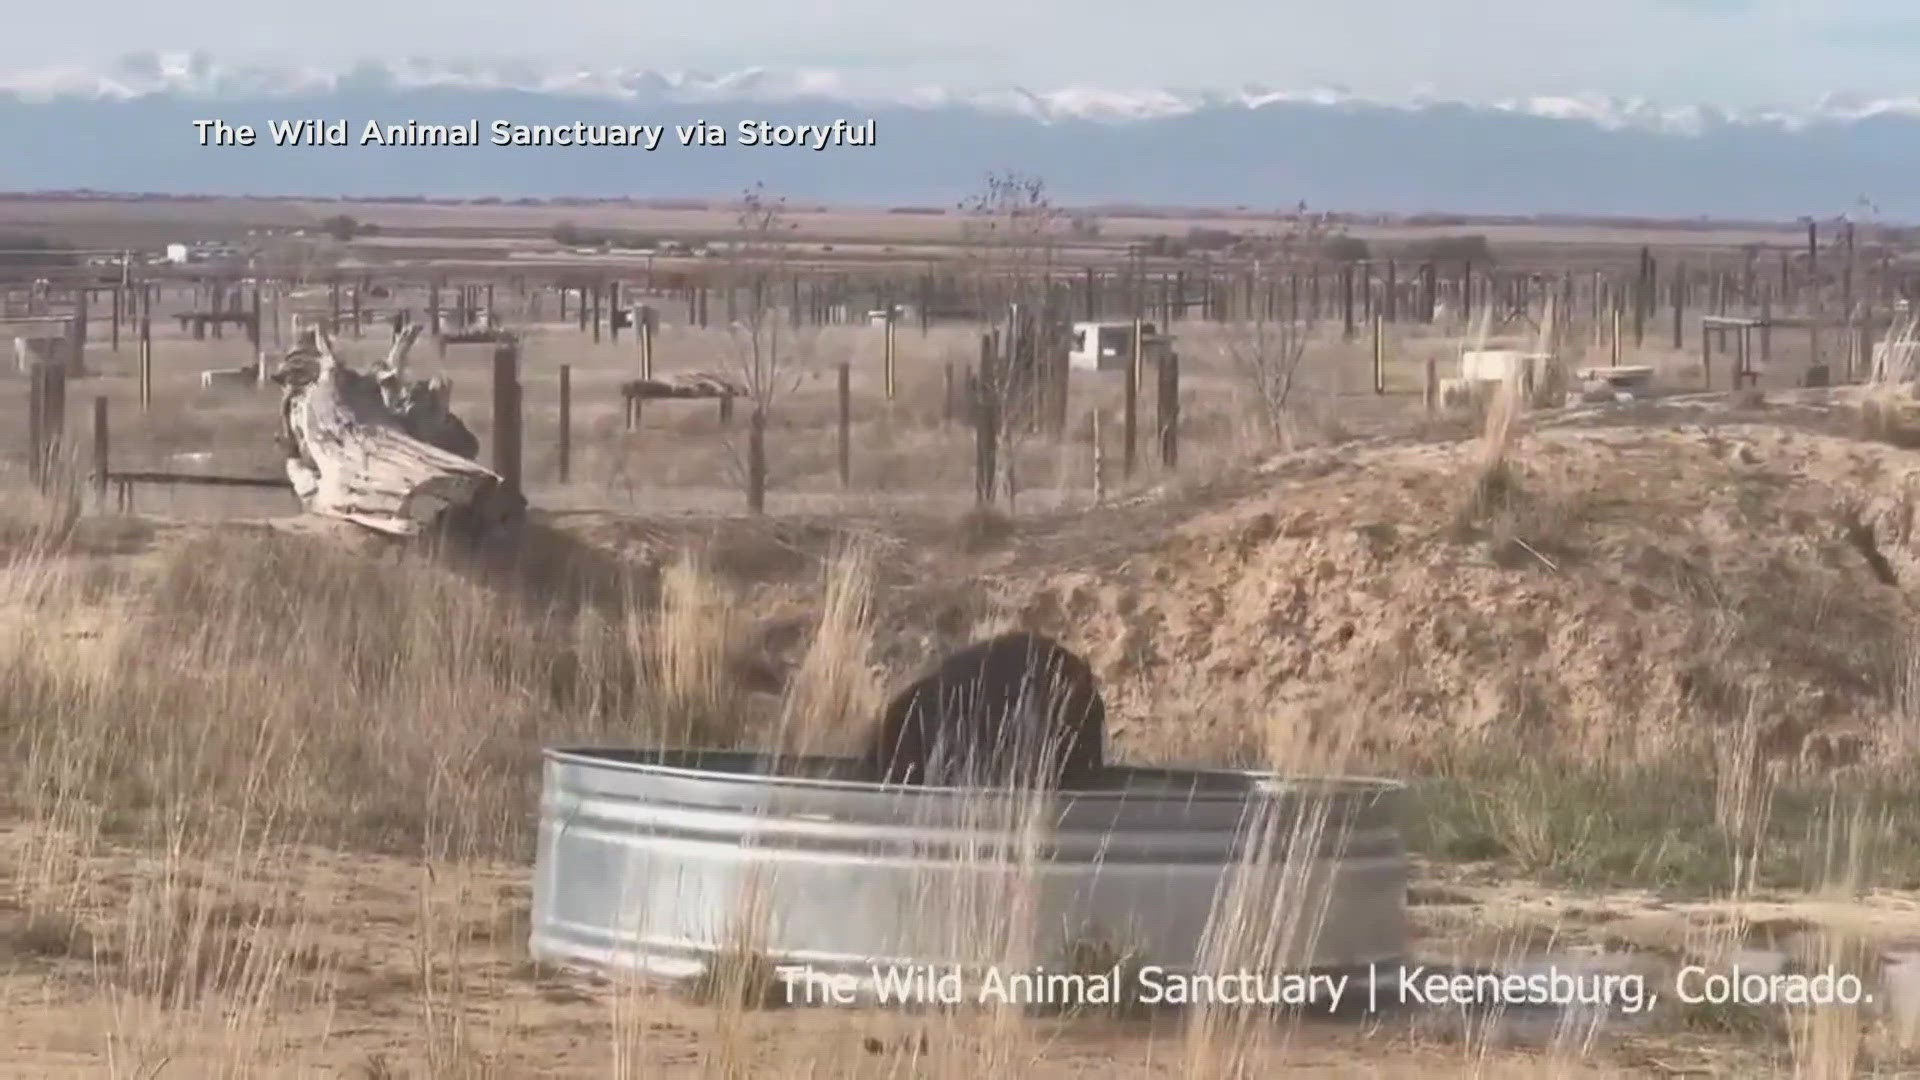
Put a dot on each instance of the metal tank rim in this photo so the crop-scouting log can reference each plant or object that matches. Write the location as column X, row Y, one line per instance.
column 674, row 762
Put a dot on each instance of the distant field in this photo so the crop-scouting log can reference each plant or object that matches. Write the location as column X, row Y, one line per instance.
column 873, row 233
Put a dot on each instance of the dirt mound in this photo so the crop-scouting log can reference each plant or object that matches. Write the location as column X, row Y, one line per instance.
column 1627, row 590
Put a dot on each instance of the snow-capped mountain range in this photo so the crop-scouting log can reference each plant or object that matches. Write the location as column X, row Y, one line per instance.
column 200, row 75
column 1550, row 153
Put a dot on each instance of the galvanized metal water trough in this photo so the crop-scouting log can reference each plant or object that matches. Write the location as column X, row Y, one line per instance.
column 658, row 862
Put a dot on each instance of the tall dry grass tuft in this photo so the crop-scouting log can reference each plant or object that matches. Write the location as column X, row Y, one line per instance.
column 1273, row 902
column 1888, row 400
column 836, row 690
column 387, row 704
column 1743, row 792
column 694, row 700
column 1492, row 485
column 37, row 521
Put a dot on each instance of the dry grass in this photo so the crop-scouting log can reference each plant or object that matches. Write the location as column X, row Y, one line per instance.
column 836, row 684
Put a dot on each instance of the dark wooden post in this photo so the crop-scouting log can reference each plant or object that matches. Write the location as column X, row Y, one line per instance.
column 1642, row 295
column 1168, row 400
column 756, row 460
column 846, row 421
column 100, row 448
column 1346, row 301
column 46, row 419
column 646, row 342
column 1679, row 306
column 146, row 358
column 1766, row 326
column 566, row 422
column 1706, row 355
column 76, row 364
column 985, row 424
column 948, row 409
column 506, row 413
column 36, row 423
column 613, row 311
column 1099, row 462
column 1129, row 419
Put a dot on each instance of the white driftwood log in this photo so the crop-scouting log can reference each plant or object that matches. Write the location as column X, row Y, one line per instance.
column 361, row 447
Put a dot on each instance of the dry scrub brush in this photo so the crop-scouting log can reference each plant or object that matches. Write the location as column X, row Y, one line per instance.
column 1889, row 401
column 389, row 701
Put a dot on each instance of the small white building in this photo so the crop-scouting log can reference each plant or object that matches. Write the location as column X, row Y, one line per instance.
column 1499, row 365
column 1108, row 346
column 176, row 253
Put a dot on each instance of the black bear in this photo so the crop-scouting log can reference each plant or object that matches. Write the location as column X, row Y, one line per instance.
column 1015, row 710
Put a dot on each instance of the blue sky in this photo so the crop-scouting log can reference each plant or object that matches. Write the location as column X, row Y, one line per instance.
column 1730, row 52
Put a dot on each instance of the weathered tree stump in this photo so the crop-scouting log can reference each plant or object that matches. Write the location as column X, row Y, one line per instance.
column 381, row 452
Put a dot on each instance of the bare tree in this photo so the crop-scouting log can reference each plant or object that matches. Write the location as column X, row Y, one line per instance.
column 297, row 260
column 766, row 354
column 1013, row 232
column 1265, row 353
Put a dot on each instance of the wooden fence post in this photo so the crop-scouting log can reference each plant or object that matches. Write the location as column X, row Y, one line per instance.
column 646, row 342
column 36, row 424
column 1346, row 301
column 566, row 422
column 100, row 449
column 757, row 461
column 506, row 414
column 1430, row 393
column 1379, row 356
column 846, row 419
column 985, row 424
column 1168, row 402
column 1099, row 463
column 46, row 419
column 76, row 364
column 890, row 354
column 1129, row 421
column 146, row 358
